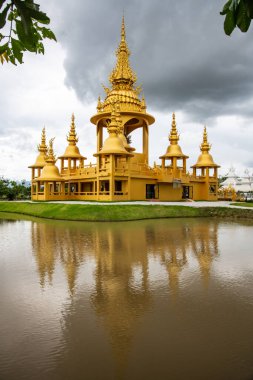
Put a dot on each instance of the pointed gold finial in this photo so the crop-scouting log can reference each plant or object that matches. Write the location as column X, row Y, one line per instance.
column 174, row 150
column 43, row 136
column 42, row 147
column 50, row 155
column 72, row 137
column 112, row 127
column 143, row 103
column 99, row 105
column 205, row 146
column 122, row 76
column 123, row 29
column 173, row 137
column 205, row 159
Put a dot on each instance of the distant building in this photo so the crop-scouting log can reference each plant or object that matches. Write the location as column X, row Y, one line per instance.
column 120, row 173
column 241, row 185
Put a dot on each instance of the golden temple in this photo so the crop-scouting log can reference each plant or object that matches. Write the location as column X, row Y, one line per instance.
column 120, row 173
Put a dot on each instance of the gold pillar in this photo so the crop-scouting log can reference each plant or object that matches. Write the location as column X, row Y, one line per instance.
column 99, row 137
column 145, row 141
column 184, row 165
column 174, row 164
column 111, row 182
column 129, row 178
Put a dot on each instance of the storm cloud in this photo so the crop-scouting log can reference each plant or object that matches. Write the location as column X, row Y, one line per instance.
column 180, row 53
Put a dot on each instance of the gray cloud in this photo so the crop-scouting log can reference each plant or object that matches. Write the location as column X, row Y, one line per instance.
column 179, row 51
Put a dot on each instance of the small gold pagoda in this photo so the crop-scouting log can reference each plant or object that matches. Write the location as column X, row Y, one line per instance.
column 120, row 173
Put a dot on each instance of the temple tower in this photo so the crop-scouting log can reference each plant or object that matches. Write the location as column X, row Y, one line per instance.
column 174, row 152
column 41, row 158
column 72, row 154
column 126, row 94
column 49, row 183
column 208, row 171
column 108, row 161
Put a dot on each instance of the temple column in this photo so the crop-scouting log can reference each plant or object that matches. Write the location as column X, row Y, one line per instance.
column 129, row 178
column 99, row 137
column 174, row 164
column 184, row 165
column 145, row 141
column 112, row 167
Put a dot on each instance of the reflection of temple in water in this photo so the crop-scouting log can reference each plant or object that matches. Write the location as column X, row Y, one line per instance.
column 121, row 253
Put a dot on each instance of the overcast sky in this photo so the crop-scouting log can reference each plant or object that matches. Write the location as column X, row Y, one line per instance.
column 183, row 60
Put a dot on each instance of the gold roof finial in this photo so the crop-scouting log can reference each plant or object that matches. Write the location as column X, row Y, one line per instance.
column 121, row 134
column 205, row 146
column 42, row 147
column 99, row 105
column 122, row 75
column 72, row 150
column 50, row 155
column 123, row 29
column 205, row 159
column 113, row 144
column 112, row 127
column 173, row 137
column 174, row 150
column 72, row 137
column 50, row 170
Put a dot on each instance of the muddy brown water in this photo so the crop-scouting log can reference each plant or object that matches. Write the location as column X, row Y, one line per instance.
column 156, row 299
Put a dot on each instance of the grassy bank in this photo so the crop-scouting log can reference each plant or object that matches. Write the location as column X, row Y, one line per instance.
column 243, row 204
column 115, row 212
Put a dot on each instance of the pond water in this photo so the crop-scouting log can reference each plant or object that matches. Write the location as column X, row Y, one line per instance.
column 157, row 299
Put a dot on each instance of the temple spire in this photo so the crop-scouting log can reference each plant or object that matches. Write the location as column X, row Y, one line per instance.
column 50, row 155
column 205, row 146
column 42, row 147
column 123, row 29
column 122, row 76
column 173, row 137
column 72, row 137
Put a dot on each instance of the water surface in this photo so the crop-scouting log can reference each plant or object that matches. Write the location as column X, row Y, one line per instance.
column 159, row 299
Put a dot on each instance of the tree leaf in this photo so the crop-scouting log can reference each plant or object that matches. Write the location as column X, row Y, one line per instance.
column 229, row 23
column 1, row 3
column 226, row 8
column 3, row 15
column 234, row 4
column 32, row 10
column 25, row 17
column 242, row 19
column 3, row 48
column 249, row 7
column 17, row 49
column 26, row 40
column 47, row 33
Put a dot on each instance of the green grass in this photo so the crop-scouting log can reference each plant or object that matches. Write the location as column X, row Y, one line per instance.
column 114, row 212
column 243, row 204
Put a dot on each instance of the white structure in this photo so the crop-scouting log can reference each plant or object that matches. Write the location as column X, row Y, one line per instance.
column 243, row 185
